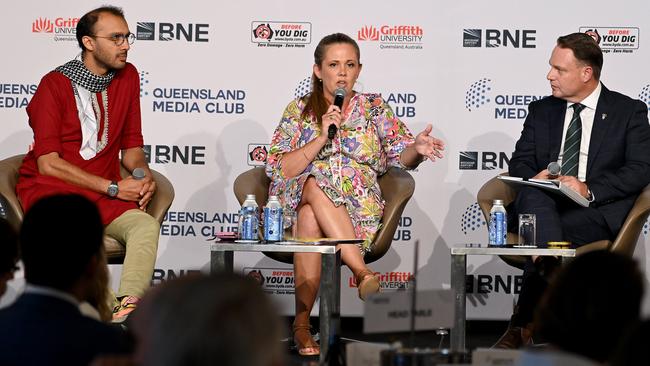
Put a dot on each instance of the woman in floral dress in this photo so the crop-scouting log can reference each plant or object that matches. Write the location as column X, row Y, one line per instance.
column 332, row 184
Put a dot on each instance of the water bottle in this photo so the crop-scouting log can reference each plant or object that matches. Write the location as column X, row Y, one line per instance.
column 498, row 228
column 248, row 219
column 273, row 226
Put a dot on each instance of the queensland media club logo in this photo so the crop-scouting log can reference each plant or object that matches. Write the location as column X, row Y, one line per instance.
column 257, row 154
column 192, row 100
column 614, row 39
column 508, row 106
column 478, row 94
column 281, row 34
column 644, row 95
column 166, row 31
column 472, row 219
column 64, row 29
column 493, row 38
column 144, row 80
column 15, row 95
column 406, row 37
column 483, row 160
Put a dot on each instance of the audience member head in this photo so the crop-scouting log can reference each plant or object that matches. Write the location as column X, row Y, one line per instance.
column 8, row 254
column 590, row 304
column 86, row 24
column 60, row 241
column 198, row 320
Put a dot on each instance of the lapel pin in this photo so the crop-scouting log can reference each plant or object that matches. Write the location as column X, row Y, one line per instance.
column 604, row 115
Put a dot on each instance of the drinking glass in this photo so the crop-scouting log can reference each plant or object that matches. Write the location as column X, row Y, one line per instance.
column 527, row 229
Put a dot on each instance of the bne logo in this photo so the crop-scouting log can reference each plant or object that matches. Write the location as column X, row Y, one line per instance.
column 164, row 154
column 146, row 31
column 491, row 38
column 489, row 160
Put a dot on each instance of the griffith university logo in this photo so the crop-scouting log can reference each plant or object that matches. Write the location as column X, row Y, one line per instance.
column 42, row 25
column 478, row 94
column 393, row 36
column 64, row 29
column 472, row 219
column 644, row 95
column 368, row 33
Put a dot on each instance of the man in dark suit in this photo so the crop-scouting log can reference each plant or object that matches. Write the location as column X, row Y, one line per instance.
column 60, row 243
column 601, row 139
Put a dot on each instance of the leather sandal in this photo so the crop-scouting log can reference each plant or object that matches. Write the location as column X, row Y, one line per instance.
column 367, row 283
column 310, row 347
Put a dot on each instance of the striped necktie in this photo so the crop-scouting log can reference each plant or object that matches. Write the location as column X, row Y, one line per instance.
column 571, row 154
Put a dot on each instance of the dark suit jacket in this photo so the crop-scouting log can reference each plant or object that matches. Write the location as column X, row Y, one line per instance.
column 45, row 330
column 618, row 165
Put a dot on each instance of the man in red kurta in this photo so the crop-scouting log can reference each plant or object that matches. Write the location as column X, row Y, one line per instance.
column 83, row 114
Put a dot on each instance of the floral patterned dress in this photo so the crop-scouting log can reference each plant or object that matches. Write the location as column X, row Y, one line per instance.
column 369, row 141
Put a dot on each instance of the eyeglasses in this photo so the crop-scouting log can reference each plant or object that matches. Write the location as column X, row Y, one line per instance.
column 119, row 39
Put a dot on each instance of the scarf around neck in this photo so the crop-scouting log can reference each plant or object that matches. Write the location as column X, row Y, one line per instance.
column 77, row 72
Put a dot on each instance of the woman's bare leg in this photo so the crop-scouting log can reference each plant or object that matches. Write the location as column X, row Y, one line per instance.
column 306, row 270
column 334, row 222
column 306, row 266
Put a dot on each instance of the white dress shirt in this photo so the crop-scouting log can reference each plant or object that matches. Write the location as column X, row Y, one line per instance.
column 587, row 118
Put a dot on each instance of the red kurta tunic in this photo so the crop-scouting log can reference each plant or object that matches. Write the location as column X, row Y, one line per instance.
column 54, row 119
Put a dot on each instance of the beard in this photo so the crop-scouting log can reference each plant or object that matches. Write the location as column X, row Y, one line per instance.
column 109, row 60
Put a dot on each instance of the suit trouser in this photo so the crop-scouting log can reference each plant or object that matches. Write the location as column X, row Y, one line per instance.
column 139, row 232
column 558, row 219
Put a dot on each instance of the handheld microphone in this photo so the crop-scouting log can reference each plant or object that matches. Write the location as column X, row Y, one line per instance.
column 339, row 94
column 554, row 168
column 138, row 173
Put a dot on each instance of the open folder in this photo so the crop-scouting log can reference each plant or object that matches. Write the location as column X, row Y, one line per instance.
column 548, row 184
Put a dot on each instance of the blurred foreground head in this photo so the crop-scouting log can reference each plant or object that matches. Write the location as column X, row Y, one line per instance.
column 591, row 303
column 197, row 320
column 8, row 254
column 60, row 236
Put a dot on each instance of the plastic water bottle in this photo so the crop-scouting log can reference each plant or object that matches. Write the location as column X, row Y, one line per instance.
column 273, row 226
column 498, row 228
column 248, row 219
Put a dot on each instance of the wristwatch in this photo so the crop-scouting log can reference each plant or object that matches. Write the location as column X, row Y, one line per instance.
column 113, row 189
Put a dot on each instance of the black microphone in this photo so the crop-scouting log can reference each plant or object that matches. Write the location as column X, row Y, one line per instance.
column 554, row 168
column 339, row 94
column 138, row 173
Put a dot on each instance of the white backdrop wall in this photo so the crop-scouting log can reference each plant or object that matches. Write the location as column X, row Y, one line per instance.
column 470, row 68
